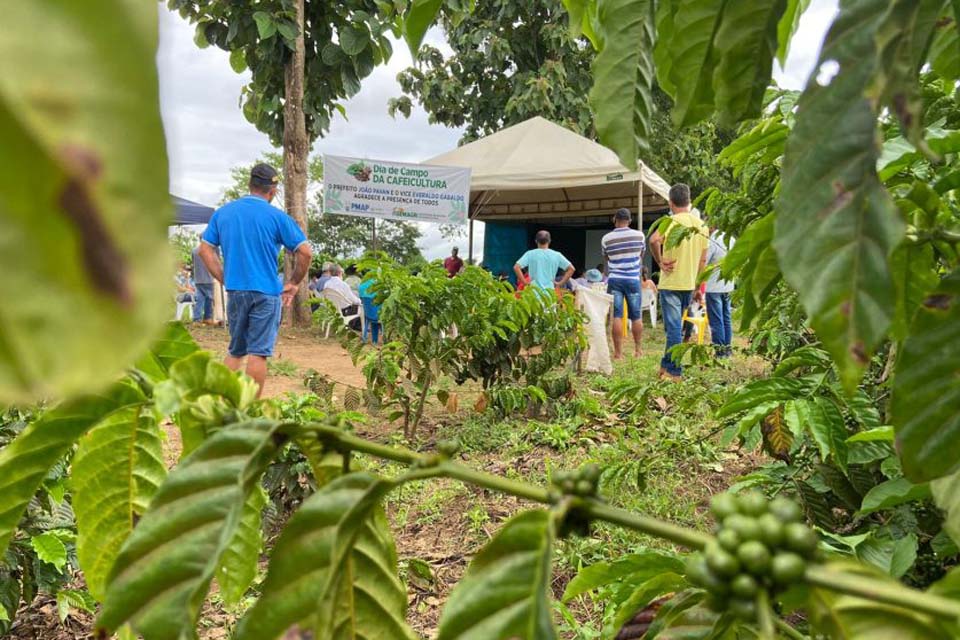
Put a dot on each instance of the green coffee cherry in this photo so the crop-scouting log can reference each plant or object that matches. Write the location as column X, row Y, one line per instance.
column 720, row 561
column 753, row 504
column 701, row 575
column 771, row 530
column 448, row 448
column 723, row 505
column 584, row 488
column 729, row 539
column 744, row 586
column 591, row 472
column 755, row 557
column 800, row 538
column 569, row 485
column 745, row 527
column 786, row 568
column 786, row 510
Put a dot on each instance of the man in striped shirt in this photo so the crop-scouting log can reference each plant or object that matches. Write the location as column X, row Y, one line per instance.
column 622, row 260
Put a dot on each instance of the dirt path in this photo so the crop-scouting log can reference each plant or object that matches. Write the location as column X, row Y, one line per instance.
column 302, row 348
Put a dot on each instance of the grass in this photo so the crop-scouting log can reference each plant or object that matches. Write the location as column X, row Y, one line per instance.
column 281, row 367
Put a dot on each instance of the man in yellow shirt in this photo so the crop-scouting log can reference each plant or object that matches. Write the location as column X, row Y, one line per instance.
column 680, row 266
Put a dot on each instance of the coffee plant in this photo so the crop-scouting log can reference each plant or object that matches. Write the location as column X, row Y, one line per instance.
column 471, row 327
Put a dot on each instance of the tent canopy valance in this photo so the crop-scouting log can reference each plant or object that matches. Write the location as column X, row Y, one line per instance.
column 189, row 212
column 539, row 170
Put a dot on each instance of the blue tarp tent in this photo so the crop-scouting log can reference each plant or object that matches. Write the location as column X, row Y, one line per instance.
column 189, row 212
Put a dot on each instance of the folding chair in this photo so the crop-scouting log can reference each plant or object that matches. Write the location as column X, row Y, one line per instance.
column 340, row 302
column 648, row 302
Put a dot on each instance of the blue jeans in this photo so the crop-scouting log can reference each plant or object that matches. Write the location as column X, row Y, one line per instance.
column 625, row 289
column 203, row 306
column 371, row 327
column 672, row 304
column 721, row 327
column 254, row 319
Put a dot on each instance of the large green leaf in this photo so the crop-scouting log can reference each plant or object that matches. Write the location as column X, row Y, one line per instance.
column 25, row 461
column 505, row 592
column 238, row 566
column 83, row 196
column 643, row 593
column 914, row 277
column 745, row 44
column 944, row 54
column 174, row 344
column 946, row 493
column 689, row 76
column 635, row 567
column 420, row 15
column 50, row 549
column 762, row 391
column 117, row 469
column 893, row 493
column 925, row 406
column 836, row 226
column 164, row 568
column 843, row 617
column 903, row 40
column 623, row 76
column 788, row 27
column 341, row 526
column 894, row 557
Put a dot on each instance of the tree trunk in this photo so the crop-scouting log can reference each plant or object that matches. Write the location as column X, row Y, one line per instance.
column 296, row 149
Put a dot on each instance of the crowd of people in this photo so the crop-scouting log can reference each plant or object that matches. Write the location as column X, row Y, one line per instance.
column 624, row 276
column 241, row 244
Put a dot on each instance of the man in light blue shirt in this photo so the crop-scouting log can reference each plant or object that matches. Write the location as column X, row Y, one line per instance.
column 543, row 263
column 251, row 232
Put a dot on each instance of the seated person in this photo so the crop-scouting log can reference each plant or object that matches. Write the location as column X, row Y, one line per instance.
column 646, row 282
column 185, row 288
column 336, row 283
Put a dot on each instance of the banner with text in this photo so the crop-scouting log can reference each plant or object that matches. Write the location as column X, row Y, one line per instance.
column 395, row 190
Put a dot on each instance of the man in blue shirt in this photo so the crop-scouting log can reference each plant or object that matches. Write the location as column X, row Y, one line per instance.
column 543, row 263
column 250, row 232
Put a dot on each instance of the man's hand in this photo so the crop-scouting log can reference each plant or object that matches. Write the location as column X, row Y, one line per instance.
column 288, row 293
column 698, row 296
column 667, row 265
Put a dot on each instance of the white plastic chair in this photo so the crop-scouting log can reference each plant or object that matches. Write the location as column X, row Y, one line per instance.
column 180, row 308
column 648, row 301
column 340, row 302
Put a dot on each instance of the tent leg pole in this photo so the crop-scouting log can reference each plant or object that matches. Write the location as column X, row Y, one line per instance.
column 374, row 233
column 470, row 244
column 640, row 201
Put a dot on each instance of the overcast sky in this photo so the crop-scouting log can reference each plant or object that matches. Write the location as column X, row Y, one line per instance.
column 207, row 133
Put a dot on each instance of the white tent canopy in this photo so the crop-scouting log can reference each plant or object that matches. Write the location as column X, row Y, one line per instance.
column 538, row 170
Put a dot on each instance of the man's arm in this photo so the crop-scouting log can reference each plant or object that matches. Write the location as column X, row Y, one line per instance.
column 211, row 259
column 519, row 271
column 656, row 250
column 566, row 276
column 301, row 264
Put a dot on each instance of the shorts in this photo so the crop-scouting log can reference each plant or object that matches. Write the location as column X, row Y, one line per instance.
column 254, row 319
column 629, row 289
